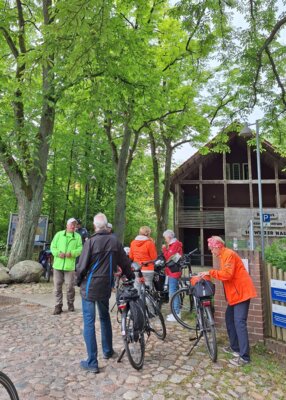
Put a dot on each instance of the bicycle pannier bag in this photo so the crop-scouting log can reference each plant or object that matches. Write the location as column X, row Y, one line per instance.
column 137, row 310
column 159, row 280
column 204, row 288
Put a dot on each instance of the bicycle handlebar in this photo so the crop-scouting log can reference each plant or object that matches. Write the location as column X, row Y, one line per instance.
column 192, row 252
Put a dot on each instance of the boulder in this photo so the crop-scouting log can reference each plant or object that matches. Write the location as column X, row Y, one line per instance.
column 4, row 275
column 2, row 267
column 26, row 271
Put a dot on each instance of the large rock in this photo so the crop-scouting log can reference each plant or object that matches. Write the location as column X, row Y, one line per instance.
column 2, row 267
column 4, row 276
column 26, row 271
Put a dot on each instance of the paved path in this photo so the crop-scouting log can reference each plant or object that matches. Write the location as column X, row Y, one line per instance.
column 41, row 354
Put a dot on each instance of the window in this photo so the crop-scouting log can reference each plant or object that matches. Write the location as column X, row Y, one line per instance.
column 227, row 171
column 235, row 171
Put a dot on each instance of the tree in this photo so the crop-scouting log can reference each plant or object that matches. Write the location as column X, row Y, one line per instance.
column 28, row 121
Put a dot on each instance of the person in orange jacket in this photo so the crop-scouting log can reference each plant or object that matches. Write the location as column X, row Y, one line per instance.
column 143, row 249
column 239, row 289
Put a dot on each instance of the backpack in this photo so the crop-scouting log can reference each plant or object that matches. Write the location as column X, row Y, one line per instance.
column 204, row 288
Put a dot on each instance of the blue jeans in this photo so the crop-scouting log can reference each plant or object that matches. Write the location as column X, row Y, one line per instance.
column 236, row 325
column 88, row 311
column 173, row 287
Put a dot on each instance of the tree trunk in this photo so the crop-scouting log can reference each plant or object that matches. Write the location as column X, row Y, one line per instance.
column 121, row 184
column 161, row 207
column 120, row 204
column 29, row 210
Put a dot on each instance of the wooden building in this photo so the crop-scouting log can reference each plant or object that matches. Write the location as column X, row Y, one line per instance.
column 217, row 194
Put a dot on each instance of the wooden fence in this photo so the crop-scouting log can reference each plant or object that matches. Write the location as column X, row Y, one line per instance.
column 273, row 331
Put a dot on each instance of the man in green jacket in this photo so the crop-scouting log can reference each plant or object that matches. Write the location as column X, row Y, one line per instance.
column 66, row 246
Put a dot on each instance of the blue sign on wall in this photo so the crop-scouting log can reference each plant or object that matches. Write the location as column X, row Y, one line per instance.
column 266, row 217
column 279, row 315
column 278, row 290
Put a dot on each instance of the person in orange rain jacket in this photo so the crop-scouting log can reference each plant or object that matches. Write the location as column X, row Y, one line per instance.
column 143, row 249
column 239, row 289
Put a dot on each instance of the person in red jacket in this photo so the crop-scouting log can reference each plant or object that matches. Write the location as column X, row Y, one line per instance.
column 239, row 289
column 143, row 249
column 173, row 246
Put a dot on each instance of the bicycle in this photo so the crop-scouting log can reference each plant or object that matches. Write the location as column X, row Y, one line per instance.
column 10, row 389
column 45, row 258
column 160, row 290
column 140, row 315
column 196, row 312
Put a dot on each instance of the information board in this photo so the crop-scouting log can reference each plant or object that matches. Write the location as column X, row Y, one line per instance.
column 41, row 231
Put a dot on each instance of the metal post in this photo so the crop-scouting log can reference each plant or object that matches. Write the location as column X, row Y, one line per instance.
column 259, row 190
column 251, row 235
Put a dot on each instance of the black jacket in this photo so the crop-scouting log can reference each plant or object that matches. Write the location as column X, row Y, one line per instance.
column 98, row 261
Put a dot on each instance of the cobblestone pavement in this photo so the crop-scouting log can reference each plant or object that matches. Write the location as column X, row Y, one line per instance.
column 41, row 353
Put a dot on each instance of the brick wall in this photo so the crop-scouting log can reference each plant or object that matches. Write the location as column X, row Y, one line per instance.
column 257, row 309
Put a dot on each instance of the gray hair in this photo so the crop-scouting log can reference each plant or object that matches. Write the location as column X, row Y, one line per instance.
column 100, row 221
column 169, row 233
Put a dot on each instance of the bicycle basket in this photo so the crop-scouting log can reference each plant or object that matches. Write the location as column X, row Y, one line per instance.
column 204, row 288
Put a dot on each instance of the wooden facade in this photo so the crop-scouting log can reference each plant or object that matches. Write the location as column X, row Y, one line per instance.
column 217, row 194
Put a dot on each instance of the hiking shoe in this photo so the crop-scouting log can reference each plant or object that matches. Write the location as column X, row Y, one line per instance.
column 239, row 362
column 58, row 310
column 229, row 350
column 71, row 307
column 87, row 368
column 113, row 355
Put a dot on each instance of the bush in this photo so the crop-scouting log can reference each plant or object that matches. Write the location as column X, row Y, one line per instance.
column 3, row 260
column 275, row 254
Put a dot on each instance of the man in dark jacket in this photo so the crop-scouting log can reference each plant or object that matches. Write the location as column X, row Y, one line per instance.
column 98, row 261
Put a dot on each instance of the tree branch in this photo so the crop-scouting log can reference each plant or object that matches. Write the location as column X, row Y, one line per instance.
column 10, row 42
column 276, row 28
column 277, row 77
column 146, row 123
column 127, row 20
column 21, row 23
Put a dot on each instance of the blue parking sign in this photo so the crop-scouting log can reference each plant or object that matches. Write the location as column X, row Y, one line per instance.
column 266, row 217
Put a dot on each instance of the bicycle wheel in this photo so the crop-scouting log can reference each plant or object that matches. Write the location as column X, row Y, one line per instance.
column 134, row 342
column 209, row 332
column 155, row 317
column 187, row 315
column 10, row 391
column 48, row 272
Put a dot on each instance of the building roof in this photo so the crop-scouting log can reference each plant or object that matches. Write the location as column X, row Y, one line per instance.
column 267, row 156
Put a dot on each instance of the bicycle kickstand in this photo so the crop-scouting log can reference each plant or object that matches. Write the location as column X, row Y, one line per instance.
column 195, row 344
column 121, row 356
